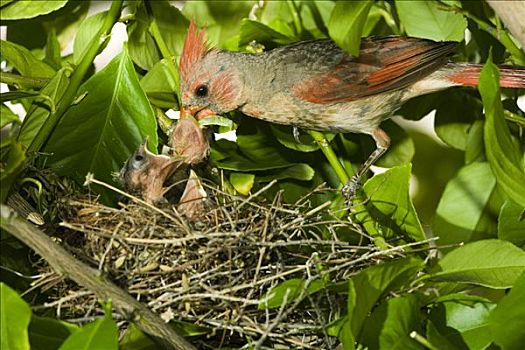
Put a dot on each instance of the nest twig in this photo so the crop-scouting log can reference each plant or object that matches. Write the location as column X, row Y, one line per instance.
column 218, row 272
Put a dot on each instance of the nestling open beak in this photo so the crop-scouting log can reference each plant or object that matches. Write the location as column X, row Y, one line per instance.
column 197, row 112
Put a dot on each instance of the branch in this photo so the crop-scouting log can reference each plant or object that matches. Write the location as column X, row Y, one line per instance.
column 65, row 264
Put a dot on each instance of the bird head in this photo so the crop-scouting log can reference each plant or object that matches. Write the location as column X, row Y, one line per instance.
column 210, row 83
column 145, row 173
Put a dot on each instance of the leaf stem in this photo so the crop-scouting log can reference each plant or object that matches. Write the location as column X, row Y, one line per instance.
column 28, row 82
column 422, row 340
column 514, row 118
column 330, row 155
column 344, row 176
column 77, row 77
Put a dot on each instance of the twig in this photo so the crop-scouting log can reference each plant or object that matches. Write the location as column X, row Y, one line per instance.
column 90, row 179
column 258, row 193
column 65, row 264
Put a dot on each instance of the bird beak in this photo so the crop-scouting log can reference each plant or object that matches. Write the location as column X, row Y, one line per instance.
column 199, row 113
column 189, row 111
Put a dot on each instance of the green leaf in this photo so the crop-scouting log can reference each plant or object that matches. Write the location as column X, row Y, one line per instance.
column 66, row 22
column 389, row 204
column 441, row 339
column 98, row 134
column 471, row 321
column 87, row 32
column 284, row 134
column 288, row 291
column 376, row 13
column 222, row 19
column 511, row 223
column 340, row 328
column 507, row 320
column 390, row 324
column 347, row 22
column 425, row 19
column 462, row 214
column 325, row 9
column 312, row 19
column 5, row 2
column 261, row 33
column 15, row 314
column 37, row 113
column 24, row 61
column 504, row 157
column 462, row 298
column 256, row 149
column 490, row 263
column 475, row 148
column 48, row 333
column 302, row 172
column 142, row 47
column 278, row 16
column 230, row 159
column 242, row 182
column 374, row 282
column 29, row 9
column 455, row 113
column 7, row 116
column 159, row 85
column 134, row 339
column 99, row 334
column 52, row 50
column 172, row 25
column 9, row 170
column 32, row 33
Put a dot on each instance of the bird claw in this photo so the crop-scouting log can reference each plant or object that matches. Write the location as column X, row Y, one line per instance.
column 296, row 134
column 350, row 188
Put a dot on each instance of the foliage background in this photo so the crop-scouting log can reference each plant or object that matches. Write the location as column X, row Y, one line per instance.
column 470, row 184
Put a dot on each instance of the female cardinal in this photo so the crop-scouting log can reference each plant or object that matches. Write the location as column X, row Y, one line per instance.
column 316, row 85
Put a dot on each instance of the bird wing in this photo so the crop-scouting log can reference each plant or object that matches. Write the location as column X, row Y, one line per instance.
column 384, row 64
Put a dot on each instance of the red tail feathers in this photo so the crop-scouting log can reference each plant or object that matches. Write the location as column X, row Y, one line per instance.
column 468, row 74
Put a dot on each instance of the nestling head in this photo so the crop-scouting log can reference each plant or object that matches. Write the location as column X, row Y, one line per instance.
column 209, row 84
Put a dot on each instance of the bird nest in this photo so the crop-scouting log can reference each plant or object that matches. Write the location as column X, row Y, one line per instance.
column 220, row 272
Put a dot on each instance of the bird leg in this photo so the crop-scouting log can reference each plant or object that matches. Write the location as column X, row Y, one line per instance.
column 382, row 143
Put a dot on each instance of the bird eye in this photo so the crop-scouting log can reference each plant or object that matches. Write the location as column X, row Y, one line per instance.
column 139, row 157
column 201, row 91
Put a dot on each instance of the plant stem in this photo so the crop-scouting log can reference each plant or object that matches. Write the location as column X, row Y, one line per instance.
column 330, row 155
column 344, row 176
column 27, row 82
column 422, row 340
column 514, row 118
column 165, row 52
column 77, row 77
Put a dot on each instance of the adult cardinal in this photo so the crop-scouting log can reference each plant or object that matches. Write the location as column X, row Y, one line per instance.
column 316, row 85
